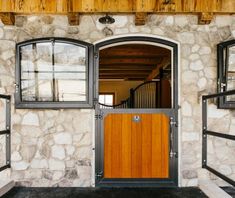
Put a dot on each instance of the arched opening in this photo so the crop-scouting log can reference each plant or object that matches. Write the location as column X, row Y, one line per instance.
column 136, row 111
column 135, row 76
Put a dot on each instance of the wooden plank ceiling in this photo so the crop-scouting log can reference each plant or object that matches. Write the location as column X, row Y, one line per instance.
column 204, row 8
column 133, row 62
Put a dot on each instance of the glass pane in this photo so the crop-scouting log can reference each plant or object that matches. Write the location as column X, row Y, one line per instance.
column 101, row 99
column 106, row 99
column 2, row 150
column 2, row 114
column 53, row 73
column 231, row 72
column 36, row 72
column 109, row 99
column 70, row 72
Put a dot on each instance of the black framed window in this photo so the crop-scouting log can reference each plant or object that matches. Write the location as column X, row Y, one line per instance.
column 226, row 73
column 54, row 73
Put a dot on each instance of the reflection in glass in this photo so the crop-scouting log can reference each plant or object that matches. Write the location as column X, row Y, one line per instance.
column 231, row 72
column 2, row 114
column 53, row 72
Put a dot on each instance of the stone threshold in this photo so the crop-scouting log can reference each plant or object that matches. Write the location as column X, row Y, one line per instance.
column 212, row 190
column 6, row 186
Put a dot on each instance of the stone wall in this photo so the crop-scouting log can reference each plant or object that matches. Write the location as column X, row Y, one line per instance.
column 54, row 147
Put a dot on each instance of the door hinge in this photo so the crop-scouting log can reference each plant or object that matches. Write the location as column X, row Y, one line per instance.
column 99, row 116
column 173, row 122
column 173, row 154
column 99, row 174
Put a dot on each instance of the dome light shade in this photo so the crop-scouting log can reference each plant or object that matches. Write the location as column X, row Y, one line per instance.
column 106, row 19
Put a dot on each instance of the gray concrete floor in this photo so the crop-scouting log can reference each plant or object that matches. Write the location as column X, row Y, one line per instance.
column 22, row 192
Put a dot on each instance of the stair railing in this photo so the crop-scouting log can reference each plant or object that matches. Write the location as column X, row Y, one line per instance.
column 206, row 132
column 7, row 131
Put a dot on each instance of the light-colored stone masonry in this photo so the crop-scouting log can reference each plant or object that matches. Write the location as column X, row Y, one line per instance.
column 54, row 147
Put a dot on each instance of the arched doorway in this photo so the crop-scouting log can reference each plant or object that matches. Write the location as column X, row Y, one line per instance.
column 136, row 140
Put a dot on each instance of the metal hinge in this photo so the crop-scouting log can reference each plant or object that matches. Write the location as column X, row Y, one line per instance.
column 173, row 154
column 16, row 88
column 173, row 122
column 98, row 116
column 99, row 174
column 222, row 85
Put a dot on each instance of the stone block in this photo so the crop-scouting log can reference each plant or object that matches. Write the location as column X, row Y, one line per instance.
column 30, row 119
column 63, row 138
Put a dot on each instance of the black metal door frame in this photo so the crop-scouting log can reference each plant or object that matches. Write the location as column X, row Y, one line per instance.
column 7, row 131
column 172, row 181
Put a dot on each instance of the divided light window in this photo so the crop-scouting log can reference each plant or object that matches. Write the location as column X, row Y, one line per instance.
column 226, row 73
column 53, row 73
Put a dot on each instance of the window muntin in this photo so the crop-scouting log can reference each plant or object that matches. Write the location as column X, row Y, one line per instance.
column 54, row 71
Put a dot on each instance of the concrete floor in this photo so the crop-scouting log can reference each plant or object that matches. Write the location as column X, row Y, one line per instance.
column 21, row 192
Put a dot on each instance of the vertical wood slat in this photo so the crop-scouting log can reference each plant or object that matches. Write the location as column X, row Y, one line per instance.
column 146, row 146
column 107, row 146
column 116, row 135
column 156, row 146
column 136, row 149
column 126, row 146
column 165, row 146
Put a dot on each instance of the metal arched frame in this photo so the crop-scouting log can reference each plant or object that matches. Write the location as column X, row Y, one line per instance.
column 172, row 181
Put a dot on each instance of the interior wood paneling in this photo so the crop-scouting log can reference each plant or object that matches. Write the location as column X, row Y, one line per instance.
column 136, row 149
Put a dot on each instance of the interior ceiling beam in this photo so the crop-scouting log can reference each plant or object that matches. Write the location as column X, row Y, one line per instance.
column 165, row 62
column 141, row 68
column 139, row 61
column 138, row 7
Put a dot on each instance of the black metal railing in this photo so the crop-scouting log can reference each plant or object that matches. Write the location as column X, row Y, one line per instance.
column 7, row 131
column 145, row 95
column 206, row 133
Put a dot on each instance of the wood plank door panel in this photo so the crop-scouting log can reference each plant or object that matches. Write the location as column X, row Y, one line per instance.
column 136, row 149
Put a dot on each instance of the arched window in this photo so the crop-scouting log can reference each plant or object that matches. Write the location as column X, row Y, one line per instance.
column 53, row 73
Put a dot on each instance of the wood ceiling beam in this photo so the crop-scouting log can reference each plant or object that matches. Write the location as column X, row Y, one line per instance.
column 165, row 62
column 140, row 18
column 138, row 7
column 73, row 18
column 7, row 18
column 205, row 18
column 139, row 61
column 141, row 68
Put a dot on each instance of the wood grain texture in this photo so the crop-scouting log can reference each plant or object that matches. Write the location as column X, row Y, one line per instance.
column 136, row 149
column 117, row 6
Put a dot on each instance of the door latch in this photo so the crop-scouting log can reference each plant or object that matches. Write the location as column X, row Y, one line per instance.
column 173, row 154
column 173, row 123
column 99, row 174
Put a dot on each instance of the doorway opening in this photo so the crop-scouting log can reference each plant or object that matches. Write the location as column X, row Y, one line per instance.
column 135, row 76
column 136, row 140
